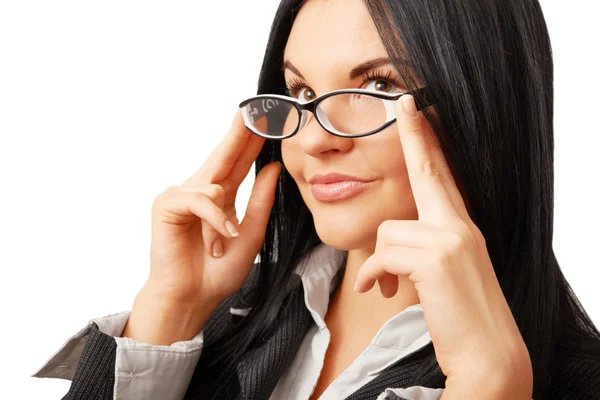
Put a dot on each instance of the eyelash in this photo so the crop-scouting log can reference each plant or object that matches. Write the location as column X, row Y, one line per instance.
column 295, row 84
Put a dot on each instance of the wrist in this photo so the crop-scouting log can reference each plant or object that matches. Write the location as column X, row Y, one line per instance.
column 168, row 302
column 493, row 388
column 157, row 320
column 491, row 382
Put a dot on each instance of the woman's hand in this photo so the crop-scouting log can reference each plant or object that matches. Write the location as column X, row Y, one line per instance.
column 473, row 331
column 195, row 259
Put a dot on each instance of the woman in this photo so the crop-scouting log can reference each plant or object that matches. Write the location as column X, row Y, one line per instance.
column 471, row 301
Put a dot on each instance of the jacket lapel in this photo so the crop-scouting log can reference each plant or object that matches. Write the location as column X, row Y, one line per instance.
column 261, row 368
column 418, row 369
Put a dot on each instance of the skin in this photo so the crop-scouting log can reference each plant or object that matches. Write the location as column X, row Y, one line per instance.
column 327, row 40
column 418, row 245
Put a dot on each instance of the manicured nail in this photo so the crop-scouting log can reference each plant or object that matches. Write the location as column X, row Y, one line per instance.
column 231, row 229
column 217, row 248
column 408, row 104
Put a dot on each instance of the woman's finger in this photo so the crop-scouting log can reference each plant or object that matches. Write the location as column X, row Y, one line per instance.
column 214, row 242
column 241, row 168
column 394, row 260
column 449, row 182
column 432, row 199
column 180, row 208
column 260, row 204
column 408, row 233
column 220, row 162
column 209, row 234
column 214, row 191
column 388, row 285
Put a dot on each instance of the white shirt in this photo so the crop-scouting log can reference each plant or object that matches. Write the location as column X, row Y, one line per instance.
column 164, row 372
column 401, row 335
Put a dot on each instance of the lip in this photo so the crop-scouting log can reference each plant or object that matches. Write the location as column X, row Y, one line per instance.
column 338, row 190
column 334, row 177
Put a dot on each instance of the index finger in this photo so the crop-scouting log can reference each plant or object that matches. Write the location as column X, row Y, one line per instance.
column 223, row 158
column 431, row 197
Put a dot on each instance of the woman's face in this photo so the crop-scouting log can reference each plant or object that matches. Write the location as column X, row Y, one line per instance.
column 328, row 39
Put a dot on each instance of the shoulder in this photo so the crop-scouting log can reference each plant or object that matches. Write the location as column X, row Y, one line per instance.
column 576, row 377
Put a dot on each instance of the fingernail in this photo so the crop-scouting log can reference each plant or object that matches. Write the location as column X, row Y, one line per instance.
column 217, row 248
column 231, row 229
column 356, row 287
column 408, row 104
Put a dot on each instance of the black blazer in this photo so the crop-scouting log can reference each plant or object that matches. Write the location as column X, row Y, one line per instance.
column 261, row 368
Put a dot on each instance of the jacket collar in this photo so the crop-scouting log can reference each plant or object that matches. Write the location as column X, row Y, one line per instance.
column 260, row 370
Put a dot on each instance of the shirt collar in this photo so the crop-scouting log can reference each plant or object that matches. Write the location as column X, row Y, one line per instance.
column 321, row 272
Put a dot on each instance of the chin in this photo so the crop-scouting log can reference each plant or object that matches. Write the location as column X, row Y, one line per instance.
column 345, row 235
column 355, row 227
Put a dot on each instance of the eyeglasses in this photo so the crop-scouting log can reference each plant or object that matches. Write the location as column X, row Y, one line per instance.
column 347, row 113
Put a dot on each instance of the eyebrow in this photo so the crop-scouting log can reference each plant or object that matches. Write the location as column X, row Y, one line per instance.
column 356, row 71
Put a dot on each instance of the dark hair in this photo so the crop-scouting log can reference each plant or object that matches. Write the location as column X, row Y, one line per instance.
column 488, row 66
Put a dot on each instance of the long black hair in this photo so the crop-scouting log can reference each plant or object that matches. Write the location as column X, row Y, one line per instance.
column 488, row 66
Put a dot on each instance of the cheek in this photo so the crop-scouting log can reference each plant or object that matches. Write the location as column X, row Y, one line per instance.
column 291, row 158
column 386, row 156
column 285, row 153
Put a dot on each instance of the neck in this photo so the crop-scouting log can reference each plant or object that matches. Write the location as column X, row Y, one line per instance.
column 370, row 306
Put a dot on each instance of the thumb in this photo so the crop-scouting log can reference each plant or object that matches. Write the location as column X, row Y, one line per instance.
column 261, row 201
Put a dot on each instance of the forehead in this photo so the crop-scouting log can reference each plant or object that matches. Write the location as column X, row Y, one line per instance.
column 330, row 32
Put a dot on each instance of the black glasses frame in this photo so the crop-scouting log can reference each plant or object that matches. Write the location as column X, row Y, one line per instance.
column 420, row 96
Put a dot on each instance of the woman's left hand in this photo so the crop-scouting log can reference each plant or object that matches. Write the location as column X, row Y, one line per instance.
column 474, row 334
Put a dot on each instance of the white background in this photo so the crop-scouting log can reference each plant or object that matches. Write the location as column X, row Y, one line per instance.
column 103, row 105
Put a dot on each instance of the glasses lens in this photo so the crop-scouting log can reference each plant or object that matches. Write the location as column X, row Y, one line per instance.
column 353, row 113
column 271, row 117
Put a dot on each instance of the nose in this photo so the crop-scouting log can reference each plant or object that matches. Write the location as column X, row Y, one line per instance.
column 315, row 141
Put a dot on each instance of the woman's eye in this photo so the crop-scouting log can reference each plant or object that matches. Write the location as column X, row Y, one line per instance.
column 381, row 85
column 305, row 94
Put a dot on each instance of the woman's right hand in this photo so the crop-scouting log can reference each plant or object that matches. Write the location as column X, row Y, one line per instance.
column 189, row 224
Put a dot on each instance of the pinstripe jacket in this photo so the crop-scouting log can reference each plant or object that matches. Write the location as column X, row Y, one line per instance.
column 258, row 372
column 262, row 367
